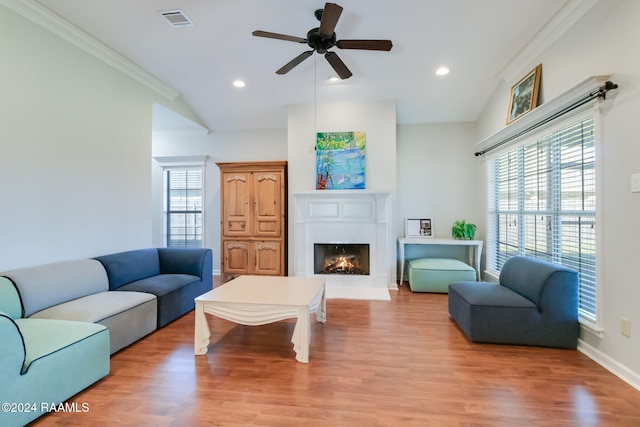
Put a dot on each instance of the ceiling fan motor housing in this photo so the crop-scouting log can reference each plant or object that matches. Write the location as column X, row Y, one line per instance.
column 319, row 43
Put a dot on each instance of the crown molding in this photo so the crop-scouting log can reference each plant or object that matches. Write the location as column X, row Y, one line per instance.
column 556, row 27
column 53, row 23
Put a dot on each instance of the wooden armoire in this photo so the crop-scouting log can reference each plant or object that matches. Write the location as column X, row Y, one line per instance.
column 253, row 218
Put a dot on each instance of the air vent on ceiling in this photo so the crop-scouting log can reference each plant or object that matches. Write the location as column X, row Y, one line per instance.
column 177, row 18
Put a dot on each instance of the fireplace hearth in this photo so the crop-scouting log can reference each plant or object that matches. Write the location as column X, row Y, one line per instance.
column 338, row 258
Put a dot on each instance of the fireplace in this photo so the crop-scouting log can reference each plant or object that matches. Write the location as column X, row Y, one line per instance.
column 355, row 225
column 339, row 258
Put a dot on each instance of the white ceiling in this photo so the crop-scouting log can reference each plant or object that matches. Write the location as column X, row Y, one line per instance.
column 476, row 39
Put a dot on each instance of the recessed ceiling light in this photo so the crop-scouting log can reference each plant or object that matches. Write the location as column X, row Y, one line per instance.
column 442, row 71
column 239, row 83
column 334, row 79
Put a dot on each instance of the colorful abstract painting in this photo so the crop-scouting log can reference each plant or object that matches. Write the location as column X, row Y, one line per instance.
column 340, row 160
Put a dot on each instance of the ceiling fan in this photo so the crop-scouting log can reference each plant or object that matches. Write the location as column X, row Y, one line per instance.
column 323, row 38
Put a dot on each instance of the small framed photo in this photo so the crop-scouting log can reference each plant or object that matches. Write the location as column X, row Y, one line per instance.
column 418, row 227
column 524, row 95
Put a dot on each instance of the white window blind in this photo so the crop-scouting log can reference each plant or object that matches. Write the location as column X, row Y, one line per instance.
column 542, row 203
column 182, row 201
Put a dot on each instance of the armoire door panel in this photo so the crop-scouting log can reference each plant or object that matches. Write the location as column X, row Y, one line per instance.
column 268, row 258
column 268, row 200
column 237, row 257
column 270, row 228
column 237, row 210
column 236, row 227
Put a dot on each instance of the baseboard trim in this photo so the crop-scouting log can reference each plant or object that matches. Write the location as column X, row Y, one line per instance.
column 613, row 366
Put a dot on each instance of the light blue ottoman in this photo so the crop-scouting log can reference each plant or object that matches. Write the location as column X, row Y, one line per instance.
column 435, row 274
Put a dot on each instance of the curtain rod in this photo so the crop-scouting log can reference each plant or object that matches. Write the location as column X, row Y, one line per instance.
column 600, row 92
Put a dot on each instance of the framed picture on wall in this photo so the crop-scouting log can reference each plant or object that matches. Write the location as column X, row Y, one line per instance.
column 524, row 95
column 418, row 227
column 340, row 160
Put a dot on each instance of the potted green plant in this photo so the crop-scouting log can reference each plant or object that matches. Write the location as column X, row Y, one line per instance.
column 463, row 230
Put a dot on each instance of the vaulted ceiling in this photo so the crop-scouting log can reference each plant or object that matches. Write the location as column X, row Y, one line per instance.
column 476, row 39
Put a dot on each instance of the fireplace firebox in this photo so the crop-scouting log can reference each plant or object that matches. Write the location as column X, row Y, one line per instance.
column 339, row 258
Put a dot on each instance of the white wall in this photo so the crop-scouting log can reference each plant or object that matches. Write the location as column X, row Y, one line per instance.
column 604, row 41
column 75, row 144
column 437, row 179
column 377, row 119
column 229, row 146
column 437, row 176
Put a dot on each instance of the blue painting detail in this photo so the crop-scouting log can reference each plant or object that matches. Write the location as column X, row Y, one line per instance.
column 340, row 160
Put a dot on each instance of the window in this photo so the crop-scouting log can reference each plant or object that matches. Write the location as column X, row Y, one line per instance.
column 182, row 189
column 542, row 203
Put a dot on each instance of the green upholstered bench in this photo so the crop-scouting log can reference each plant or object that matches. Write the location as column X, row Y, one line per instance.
column 435, row 274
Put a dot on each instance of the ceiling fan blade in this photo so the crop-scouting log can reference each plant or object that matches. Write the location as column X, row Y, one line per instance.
column 269, row 35
column 330, row 16
column 365, row 44
column 295, row 61
column 338, row 65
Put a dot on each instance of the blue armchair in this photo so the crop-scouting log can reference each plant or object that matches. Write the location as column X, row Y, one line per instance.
column 535, row 303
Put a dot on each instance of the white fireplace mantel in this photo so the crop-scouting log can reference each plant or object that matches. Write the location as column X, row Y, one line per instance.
column 348, row 217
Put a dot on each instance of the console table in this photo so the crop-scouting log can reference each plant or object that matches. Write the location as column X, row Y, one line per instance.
column 474, row 249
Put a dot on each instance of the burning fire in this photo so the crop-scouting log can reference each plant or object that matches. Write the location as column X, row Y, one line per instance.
column 342, row 265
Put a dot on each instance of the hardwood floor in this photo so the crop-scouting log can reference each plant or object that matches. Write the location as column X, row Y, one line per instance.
column 374, row 363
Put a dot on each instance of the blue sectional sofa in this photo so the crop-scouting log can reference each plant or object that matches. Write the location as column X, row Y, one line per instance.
column 535, row 303
column 60, row 322
column 174, row 276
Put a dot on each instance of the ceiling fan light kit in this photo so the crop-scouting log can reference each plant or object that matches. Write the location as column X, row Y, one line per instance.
column 323, row 38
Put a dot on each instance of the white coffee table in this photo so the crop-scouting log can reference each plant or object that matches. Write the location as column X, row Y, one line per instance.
column 258, row 300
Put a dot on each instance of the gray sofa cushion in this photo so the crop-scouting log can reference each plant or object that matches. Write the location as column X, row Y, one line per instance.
column 128, row 315
column 131, row 325
column 47, row 285
column 95, row 308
